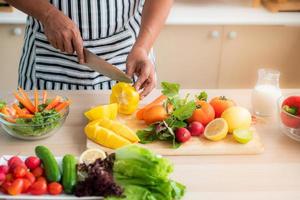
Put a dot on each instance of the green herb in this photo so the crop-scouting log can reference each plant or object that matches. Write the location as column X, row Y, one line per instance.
column 2, row 104
column 181, row 111
column 202, row 96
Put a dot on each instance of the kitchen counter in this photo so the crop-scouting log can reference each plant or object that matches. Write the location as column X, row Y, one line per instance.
column 274, row 175
column 205, row 12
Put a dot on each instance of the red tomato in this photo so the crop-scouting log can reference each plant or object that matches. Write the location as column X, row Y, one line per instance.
column 220, row 104
column 292, row 101
column 203, row 114
column 29, row 176
column 182, row 135
column 26, row 185
column 5, row 186
column 16, row 187
column 38, row 188
column 290, row 120
column 19, row 172
column 37, row 172
column 55, row 188
column 32, row 162
column 41, row 178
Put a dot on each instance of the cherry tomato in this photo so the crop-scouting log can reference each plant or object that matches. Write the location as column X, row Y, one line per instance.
column 29, row 176
column 16, row 187
column 55, row 188
column 9, row 177
column 32, row 162
column 37, row 172
column 19, row 172
column 41, row 178
column 38, row 188
column 5, row 186
column 204, row 113
column 4, row 169
column 220, row 104
column 182, row 135
column 26, row 185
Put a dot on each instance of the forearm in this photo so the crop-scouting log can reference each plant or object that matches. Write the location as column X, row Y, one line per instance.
column 39, row 9
column 154, row 16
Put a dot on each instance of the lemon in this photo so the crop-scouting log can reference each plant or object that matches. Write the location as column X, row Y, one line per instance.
column 216, row 130
column 89, row 156
column 243, row 135
column 237, row 118
column 109, row 111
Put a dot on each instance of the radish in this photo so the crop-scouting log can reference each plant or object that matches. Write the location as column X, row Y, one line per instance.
column 196, row 128
column 182, row 135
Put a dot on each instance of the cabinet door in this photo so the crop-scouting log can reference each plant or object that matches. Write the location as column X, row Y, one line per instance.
column 189, row 55
column 11, row 40
column 247, row 48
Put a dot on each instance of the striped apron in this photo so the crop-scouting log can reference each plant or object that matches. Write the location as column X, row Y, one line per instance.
column 108, row 28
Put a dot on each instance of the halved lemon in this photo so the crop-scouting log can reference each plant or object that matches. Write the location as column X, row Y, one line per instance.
column 243, row 136
column 89, row 156
column 216, row 130
column 108, row 111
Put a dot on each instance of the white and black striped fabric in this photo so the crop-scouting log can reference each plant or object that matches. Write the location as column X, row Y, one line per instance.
column 108, row 28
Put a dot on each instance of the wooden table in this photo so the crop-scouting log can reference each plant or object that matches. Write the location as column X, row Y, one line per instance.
column 275, row 174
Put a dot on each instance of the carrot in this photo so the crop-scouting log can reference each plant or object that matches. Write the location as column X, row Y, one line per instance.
column 6, row 113
column 53, row 103
column 26, row 116
column 26, row 98
column 25, row 111
column 25, row 103
column 18, row 109
column 45, row 94
column 158, row 100
column 62, row 105
column 36, row 100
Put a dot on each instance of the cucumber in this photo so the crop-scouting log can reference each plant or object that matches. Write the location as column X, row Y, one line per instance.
column 69, row 178
column 49, row 162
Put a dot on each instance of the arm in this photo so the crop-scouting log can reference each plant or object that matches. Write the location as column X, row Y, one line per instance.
column 154, row 15
column 62, row 33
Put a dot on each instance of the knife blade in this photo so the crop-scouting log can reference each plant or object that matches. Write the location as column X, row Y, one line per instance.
column 103, row 67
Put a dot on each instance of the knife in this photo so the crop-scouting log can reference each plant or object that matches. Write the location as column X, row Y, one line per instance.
column 103, row 67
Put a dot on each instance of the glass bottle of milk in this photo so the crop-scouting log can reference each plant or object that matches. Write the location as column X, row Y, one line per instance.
column 266, row 92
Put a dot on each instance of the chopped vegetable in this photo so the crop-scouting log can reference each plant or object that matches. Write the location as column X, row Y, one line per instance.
column 53, row 103
column 36, row 100
column 158, row 101
column 45, row 94
column 178, row 111
column 25, row 103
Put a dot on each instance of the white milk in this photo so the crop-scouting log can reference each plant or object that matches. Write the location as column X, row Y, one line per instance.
column 264, row 99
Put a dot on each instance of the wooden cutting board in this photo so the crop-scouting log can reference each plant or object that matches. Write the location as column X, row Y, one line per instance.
column 195, row 146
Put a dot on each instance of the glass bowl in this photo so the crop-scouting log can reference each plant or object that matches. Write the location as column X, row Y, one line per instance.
column 289, row 124
column 28, row 129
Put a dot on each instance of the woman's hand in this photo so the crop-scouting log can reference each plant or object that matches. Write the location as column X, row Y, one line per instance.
column 139, row 64
column 63, row 34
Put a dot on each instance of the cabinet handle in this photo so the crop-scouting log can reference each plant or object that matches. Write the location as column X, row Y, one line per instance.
column 232, row 35
column 17, row 31
column 215, row 34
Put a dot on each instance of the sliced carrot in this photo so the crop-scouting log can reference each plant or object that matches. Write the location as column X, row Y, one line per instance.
column 25, row 103
column 36, row 100
column 45, row 94
column 25, row 111
column 158, row 100
column 62, row 105
column 18, row 109
column 6, row 113
column 26, row 98
column 26, row 116
column 53, row 103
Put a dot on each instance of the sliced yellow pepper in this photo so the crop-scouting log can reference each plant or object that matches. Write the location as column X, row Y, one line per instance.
column 109, row 111
column 126, row 97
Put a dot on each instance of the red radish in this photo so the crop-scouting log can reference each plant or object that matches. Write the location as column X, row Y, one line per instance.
column 196, row 128
column 4, row 169
column 182, row 135
column 2, row 177
column 14, row 160
column 32, row 162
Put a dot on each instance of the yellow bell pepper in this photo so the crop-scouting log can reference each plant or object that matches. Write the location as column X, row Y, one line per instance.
column 109, row 111
column 126, row 97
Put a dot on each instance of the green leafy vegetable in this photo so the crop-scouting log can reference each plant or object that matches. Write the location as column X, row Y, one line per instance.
column 182, row 109
column 2, row 104
column 203, row 96
column 144, row 175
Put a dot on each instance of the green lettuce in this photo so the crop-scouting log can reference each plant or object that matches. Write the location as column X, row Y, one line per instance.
column 145, row 175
